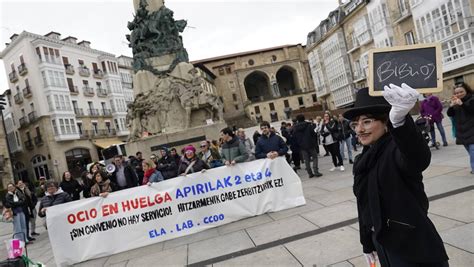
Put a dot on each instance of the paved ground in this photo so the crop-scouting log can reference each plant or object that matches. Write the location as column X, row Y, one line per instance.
column 324, row 232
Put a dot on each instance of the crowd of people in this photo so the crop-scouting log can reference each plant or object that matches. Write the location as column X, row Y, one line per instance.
column 298, row 141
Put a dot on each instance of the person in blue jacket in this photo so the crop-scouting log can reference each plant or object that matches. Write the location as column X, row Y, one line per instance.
column 269, row 145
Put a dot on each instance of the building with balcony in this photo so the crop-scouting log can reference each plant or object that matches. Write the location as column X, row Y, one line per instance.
column 329, row 62
column 450, row 22
column 265, row 84
column 359, row 39
column 125, row 65
column 60, row 89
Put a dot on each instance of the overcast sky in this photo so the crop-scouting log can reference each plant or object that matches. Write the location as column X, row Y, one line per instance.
column 216, row 27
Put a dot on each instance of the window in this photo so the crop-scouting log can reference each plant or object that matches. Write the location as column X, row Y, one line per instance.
column 315, row 99
column 81, row 62
column 65, row 61
column 257, row 110
column 236, row 107
column 55, row 127
column 272, row 106
column 38, row 53
column 234, row 97
column 409, row 38
column 286, row 103
column 94, row 128
column 251, row 62
column 228, row 69
column 79, row 127
column 300, row 101
column 107, row 125
column 231, row 84
column 221, row 71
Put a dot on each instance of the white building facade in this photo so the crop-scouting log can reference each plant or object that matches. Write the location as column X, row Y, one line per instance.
column 329, row 63
column 66, row 101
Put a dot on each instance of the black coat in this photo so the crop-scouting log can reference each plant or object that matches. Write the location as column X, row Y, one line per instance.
column 344, row 129
column 168, row 167
column 48, row 200
column 130, row 176
column 198, row 166
column 15, row 206
column 72, row 187
column 391, row 197
column 464, row 120
column 304, row 134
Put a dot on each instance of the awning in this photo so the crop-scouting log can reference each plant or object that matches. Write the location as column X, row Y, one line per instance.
column 106, row 142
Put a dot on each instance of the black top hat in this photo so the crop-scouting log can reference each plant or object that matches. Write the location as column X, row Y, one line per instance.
column 366, row 104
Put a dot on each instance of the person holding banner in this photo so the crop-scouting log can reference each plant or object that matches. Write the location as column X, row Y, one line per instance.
column 124, row 176
column 53, row 196
column 233, row 151
column 269, row 145
column 190, row 163
column 462, row 110
column 103, row 186
column 391, row 201
column 151, row 174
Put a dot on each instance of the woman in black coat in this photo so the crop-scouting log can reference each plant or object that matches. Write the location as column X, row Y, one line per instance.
column 391, row 201
column 71, row 186
column 462, row 110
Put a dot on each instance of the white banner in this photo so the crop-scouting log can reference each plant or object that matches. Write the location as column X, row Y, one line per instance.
column 128, row 219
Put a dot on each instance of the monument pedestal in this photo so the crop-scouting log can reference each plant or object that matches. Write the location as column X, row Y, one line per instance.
column 152, row 144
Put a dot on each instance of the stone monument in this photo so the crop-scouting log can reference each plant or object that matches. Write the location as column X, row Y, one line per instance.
column 169, row 98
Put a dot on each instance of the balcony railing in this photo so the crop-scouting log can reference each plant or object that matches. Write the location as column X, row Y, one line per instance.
column 106, row 112
column 84, row 71
column 18, row 98
column 13, row 76
column 99, row 133
column 23, row 121
column 69, row 69
column 22, row 69
column 88, row 91
column 32, row 116
column 79, row 111
column 93, row 112
column 98, row 74
column 38, row 140
column 29, row 144
column 27, row 92
column 101, row 92
column 73, row 90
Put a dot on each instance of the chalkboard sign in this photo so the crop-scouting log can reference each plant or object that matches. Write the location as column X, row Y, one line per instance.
column 419, row 66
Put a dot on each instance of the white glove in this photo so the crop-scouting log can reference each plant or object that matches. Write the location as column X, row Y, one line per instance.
column 371, row 258
column 402, row 99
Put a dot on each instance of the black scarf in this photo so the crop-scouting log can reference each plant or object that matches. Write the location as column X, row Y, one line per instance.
column 362, row 165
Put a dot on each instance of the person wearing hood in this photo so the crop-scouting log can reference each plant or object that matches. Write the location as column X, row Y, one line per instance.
column 388, row 183
column 432, row 108
column 71, row 186
column 462, row 110
column 166, row 164
column 53, row 196
column 233, row 151
column 304, row 134
column 190, row 162
column 15, row 200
